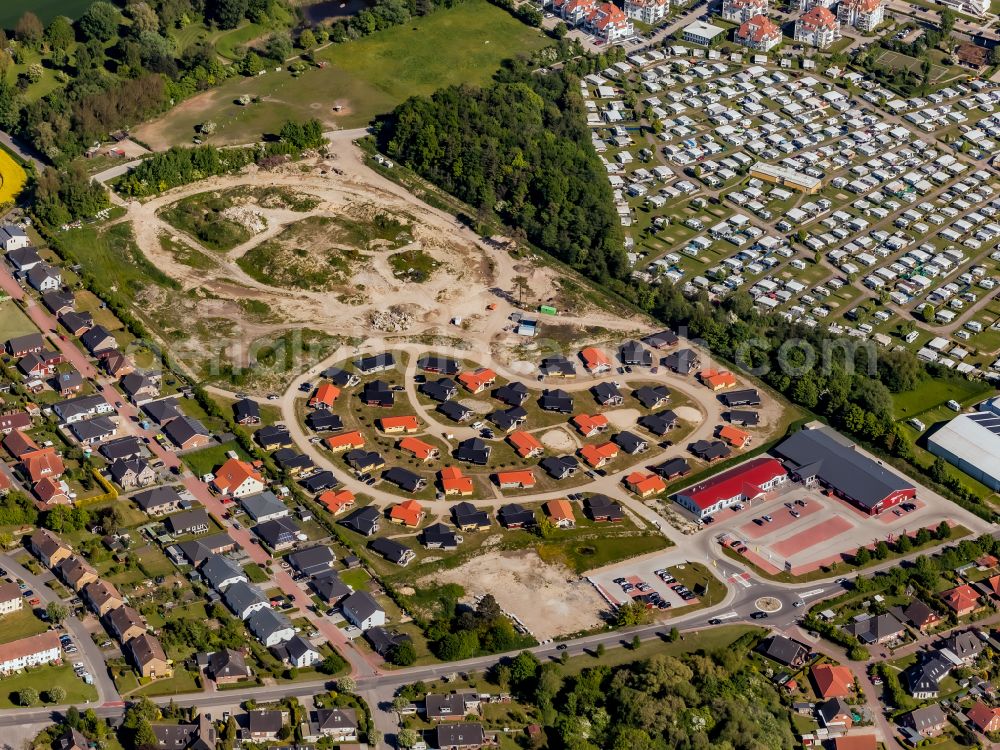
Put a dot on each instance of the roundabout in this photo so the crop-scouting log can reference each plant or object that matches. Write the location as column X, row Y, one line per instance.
column 769, row 604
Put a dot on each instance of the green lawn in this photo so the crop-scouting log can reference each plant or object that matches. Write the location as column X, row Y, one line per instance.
column 20, row 624
column 933, row 392
column 42, row 678
column 582, row 552
column 365, row 77
column 255, row 573
column 183, row 681
column 13, row 322
column 206, row 460
column 46, row 10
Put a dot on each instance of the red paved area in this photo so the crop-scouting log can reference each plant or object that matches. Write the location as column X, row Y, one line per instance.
column 812, row 536
column 782, row 518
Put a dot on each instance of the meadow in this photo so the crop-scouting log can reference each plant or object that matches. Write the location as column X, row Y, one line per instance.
column 12, row 10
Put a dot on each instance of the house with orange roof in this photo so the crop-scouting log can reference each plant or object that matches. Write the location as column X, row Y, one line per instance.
column 526, row 444
column 597, row 456
column 238, row 479
column 833, row 681
column 52, row 491
column 326, row 395
column 993, row 583
column 588, row 425
column 515, row 479
column 560, row 512
column 855, row 742
column 419, row 449
column 454, row 482
column 18, row 444
column 645, row 484
column 962, row 600
column 407, row 513
column 42, row 463
column 717, row 381
column 759, row 33
column 477, row 381
column 337, row 501
column 985, row 719
column 595, row 361
column 347, row 441
column 398, row 424
column 734, row 436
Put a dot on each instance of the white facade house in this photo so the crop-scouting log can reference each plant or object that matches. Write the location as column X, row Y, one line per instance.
column 38, row 649
column 647, row 11
column 604, row 20
column 807, row 5
column 740, row 11
column 760, row 34
column 13, row 238
column 701, row 33
column 864, row 15
column 362, row 611
column 817, row 27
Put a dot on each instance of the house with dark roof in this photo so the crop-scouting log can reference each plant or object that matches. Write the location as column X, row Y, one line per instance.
column 140, row 387
column 744, row 397
column 929, row 721
column 263, row 506
column 44, row 278
column 339, row 724
column 607, row 394
column 879, row 629
column 560, row 467
column 243, row 599
column 451, row 706
column 157, row 501
column 630, row 443
column 819, row 454
column 743, row 417
column 634, row 353
column 652, row 396
column 324, row 420
column 221, row 572
column 272, row 437
column 558, row 366
column 194, row 521
column 439, row 536
column 920, row 616
column 121, row 449
column 683, row 361
column 514, row 516
column 455, row 411
column 784, row 650
column 364, row 521
column 319, row 482
column 246, row 411
column 660, row 423
column 162, row 411
column 77, row 322
column 459, row 736
column 199, row 735
column 835, row 713
column 196, row 551
column 24, row 259
column 312, row 561
column 290, row 460
column 512, row 394
column 97, row 340
column 131, row 473
column 378, row 393
column 393, row 551
column 94, row 430
column 364, row 461
column 361, row 610
column 440, row 390
column 340, row 378
column 660, row 340
column 965, row 647
column 405, row 479
column 187, row 433
column 278, row 533
column 923, row 679
column 473, row 451
column 710, row 450
column 373, row 363
column 435, row 363
column 227, row 666
column 297, row 652
column 556, row 400
column 468, row 517
column 602, row 508
column 329, row 587
column 383, row 641
column 509, row 419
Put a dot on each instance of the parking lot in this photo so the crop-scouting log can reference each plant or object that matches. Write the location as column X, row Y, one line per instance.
column 651, row 579
column 802, row 528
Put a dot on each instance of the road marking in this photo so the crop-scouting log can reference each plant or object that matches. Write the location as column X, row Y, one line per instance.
column 727, row 616
column 743, row 579
column 814, row 592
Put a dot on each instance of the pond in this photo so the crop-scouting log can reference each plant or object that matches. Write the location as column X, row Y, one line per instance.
column 332, row 10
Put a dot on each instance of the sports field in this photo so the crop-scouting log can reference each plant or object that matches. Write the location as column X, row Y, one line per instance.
column 12, row 177
column 363, row 78
column 940, row 74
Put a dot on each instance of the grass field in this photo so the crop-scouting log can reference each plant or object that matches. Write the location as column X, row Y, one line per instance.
column 940, row 74
column 20, row 624
column 366, row 77
column 46, row 10
column 42, row 678
column 208, row 459
column 12, row 177
column 13, row 322
column 933, row 392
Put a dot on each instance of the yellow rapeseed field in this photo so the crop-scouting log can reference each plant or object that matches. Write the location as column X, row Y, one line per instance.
column 12, row 177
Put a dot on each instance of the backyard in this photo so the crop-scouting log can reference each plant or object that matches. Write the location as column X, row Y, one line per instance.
column 13, row 322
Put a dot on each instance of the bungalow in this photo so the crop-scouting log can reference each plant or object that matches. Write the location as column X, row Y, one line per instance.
column 745, row 397
column 598, row 456
column 39, row 364
column 419, row 449
column 460, row 736
column 263, row 506
column 474, row 451
column 157, row 501
column 660, row 340
column 514, row 516
column 78, row 323
column 556, row 400
column 439, row 390
column 832, row 681
column 297, row 652
column 607, row 394
column 162, row 412
column 131, row 474
column 439, row 536
column 744, row 417
column 337, row 502
column 278, row 533
column 15, row 420
column 835, row 713
column 363, row 461
column 589, row 426
column 348, row 441
column 644, row 484
column 660, row 423
column 477, row 381
column 652, row 397
column 736, row 437
column 23, row 259
column 602, row 509
column 449, row 706
column 339, row 724
column 68, row 383
column 391, row 425
column 559, row 367
column 373, row 363
column 784, row 650
column 437, row 364
column 455, row 411
column 512, row 394
column 468, row 517
column 98, row 340
column 227, row 666
column 319, row 482
column 323, row 420
column 509, row 419
column 82, row 407
column 378, row 393
column 272, row 437
column 454, row 482
column 122, row 449
column 560, row 467
column 194, row 521
column 246, row 412
column 523, row 479
column 710, row 450
column 329, row 587
column 631, row 444
column 392, row 551
column 364, row 521
column 526, row 444
column 878, row 629
column 140, row 387
column 340, row 378
column 717, row 381
column 312, row 561
column 326, row 395
column 21, row 345
column 595, row 361
column 560, row 512
column 407, row 513
column 237, row 478
column 187, row 433
column 265, row 725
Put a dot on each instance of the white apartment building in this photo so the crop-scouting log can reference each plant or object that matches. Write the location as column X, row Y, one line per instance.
column 817, row 27
column 740, row 11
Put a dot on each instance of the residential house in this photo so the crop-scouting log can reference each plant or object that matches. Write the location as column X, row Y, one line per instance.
column 454, row 482
column 45, row 278
column 514, row 516
column 361, row 610
column 278, row 533
column 149, row 657
column 817, row 27
column 451, row 706
column 238, row 479
column 758, row 33
column 419, row 449
column 312, row 561
column 832, row 681
column 633, row 353
column 588, row 425
column 264, row 725
column 102, row 597
column 22, row 345
column 437, row 364
column 157, row 501
column 440, row 390
column 392, row 551
column 187, row 433
column 78, row 323
column 269, row 627
column 10, row 598
column 353, row 440
column 227, row 666
column 76, row 572
column 326, row 395
column 392, row 425
column 329, row 587
column 645, row 484
column 929, row 721
column 555, row 399
column 522, row 480
column 407, row 513
column 965, row 647
column 460, row 736
column 598, row 456
column 405, row 479
column 364, row 521
column 512, row 394
column 246, row 412
column 509, row 419
column 194, row 521
column 605, row 394
column 560, row 467
column 49, row 548
column 263, row 506
column 337, row 502
column 473, row 451
column 468, row 517
column 595, row 361
column 339, row 724
column 455, row 411
column 132, row 473
column 560, row 512
column 835, row 713
column 784, row 650
column 477, row 381
column 601, row 508
column 140, row 387
column 961, row 600
column 243, row 599
column 378, row 393
column 221, row 572
column 162, row 412
column 31, row 651
column 923, row 679
column 297, row 652
column 652, row 397
column 878, row 629
column 985, row 718
column 272, row 437
column 98, row 340
column 526, row 444
column 373, row 363
column 125, row 623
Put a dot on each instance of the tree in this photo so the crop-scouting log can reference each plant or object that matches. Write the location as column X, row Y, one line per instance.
column 279, row 47
column 307, row 40
column 57, row 611
column 59, row 34
column 55, row 694
column 862, row 556
column 904, row 544
column 630, row 614
column 923, row 536
column 399, row 703
column 407, row 737
column 881, row 550
column 27, row 696
column 346, row 685
column 943, row 531
column 144, row 735
column 374, row 737
column 100, row 21
column 143, row 17
column 675, row 634
column 636, row 642
column 226, row 13
column 403, row 654
column 29, row 29
column 599, row 651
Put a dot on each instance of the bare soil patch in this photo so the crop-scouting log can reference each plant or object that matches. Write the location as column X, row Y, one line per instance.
column 622, row 419
column 558, row 440
column 549, row 599
column 688, row 414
